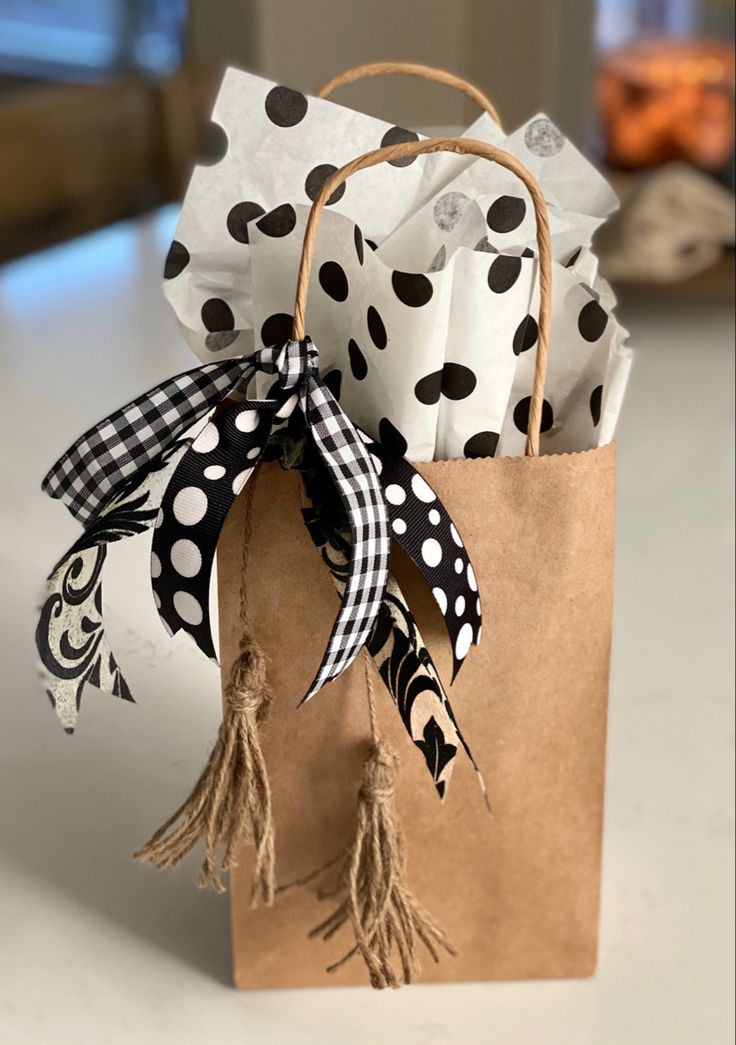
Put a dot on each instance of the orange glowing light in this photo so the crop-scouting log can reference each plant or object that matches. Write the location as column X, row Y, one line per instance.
column 665, row 100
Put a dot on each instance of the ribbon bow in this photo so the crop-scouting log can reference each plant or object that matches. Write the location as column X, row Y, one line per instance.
column 132, row 472
column 217, row 467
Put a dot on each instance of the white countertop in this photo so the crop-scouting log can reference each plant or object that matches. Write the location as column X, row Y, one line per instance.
column 97, row 950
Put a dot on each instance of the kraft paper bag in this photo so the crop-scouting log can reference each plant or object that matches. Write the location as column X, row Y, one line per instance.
column 517, row 892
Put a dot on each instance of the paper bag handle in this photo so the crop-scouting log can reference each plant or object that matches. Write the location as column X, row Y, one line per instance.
column 425, row 72
column 463, row 146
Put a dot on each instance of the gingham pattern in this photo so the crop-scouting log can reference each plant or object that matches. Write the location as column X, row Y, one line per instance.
column 110, row 453
column 354, row 473
column 352, row 469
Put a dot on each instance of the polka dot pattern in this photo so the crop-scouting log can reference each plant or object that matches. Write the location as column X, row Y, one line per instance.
column 187, row 608
column 408, row 290
column 276, row 329
column 542, row 138
column 358, row 363
column 207, row 439
column 290, row 121
column 239, row 216
column 186, row 558
column 525, row 335
column 213, row 145
column 333, row 280
column 359, row 245
column 193, row 509
column 285, row 107
column 412, row 288
column 316, row 179
column 217, row 315
column 521, row 415
column 429, row 389
column 596, row 403
column 482, row 444
column 455, row 381
column 424, row 529
column 503, row 273
column 439, row 260
column 449, row 209
column 278, row 222
column 219, row 340
column 458, row 381
column 395, row 136
column 431, row 552
column 592, row 321
column 376, row 328
column 177, row 260
column 506, row 214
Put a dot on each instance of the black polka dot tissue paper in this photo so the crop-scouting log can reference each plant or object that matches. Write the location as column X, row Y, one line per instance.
column 427, row 269
column 409, row 378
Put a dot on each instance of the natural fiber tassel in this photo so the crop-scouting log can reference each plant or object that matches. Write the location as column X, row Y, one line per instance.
column 385, row 917
column 231, row 801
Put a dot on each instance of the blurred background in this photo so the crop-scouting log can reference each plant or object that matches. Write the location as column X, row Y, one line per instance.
column 103, row 103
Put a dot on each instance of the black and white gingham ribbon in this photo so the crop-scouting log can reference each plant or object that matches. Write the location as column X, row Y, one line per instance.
column 93, row 470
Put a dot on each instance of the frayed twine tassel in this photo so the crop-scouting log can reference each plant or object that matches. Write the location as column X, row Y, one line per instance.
column 385, row 917
column 231, row 801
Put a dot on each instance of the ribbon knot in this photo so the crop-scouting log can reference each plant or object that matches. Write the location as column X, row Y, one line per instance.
column 292, row 363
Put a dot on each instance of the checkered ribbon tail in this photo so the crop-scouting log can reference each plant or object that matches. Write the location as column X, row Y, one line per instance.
column 117, row 449
column 354, row 474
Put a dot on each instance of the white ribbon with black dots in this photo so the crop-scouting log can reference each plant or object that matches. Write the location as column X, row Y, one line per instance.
column 381, row 496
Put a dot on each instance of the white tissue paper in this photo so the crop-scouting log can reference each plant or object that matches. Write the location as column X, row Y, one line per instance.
column 424, row 283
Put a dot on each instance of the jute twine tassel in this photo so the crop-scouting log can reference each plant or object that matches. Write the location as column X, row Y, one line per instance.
column 386, row 919
column 231, row 800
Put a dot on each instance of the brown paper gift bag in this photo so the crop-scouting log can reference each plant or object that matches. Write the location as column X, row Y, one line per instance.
column 517, row 892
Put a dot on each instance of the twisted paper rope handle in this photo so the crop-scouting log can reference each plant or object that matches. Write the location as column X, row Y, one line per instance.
column 424, row 72
column 462, row 146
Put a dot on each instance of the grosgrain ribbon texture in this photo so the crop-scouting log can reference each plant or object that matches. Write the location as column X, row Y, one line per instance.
column 128, row 473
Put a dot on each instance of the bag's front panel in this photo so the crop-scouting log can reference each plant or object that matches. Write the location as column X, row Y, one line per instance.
column 518, row 892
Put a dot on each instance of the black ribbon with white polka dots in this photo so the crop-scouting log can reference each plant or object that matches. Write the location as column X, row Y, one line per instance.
column 422, row 526
column 193, row 510
column 381, row 495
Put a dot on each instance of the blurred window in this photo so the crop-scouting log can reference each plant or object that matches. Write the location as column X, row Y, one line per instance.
column 89, row 39
column 622, row 20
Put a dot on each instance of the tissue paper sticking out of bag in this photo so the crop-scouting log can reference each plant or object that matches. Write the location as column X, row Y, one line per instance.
column 277, row 146
column 440, row 364
column 424, row 294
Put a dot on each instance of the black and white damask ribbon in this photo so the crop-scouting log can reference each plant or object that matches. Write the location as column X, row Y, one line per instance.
column 379, row 494
column 70, row 635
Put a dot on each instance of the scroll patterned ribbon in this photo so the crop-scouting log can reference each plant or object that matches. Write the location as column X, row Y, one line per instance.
column 398, row 650
column 129, row 466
